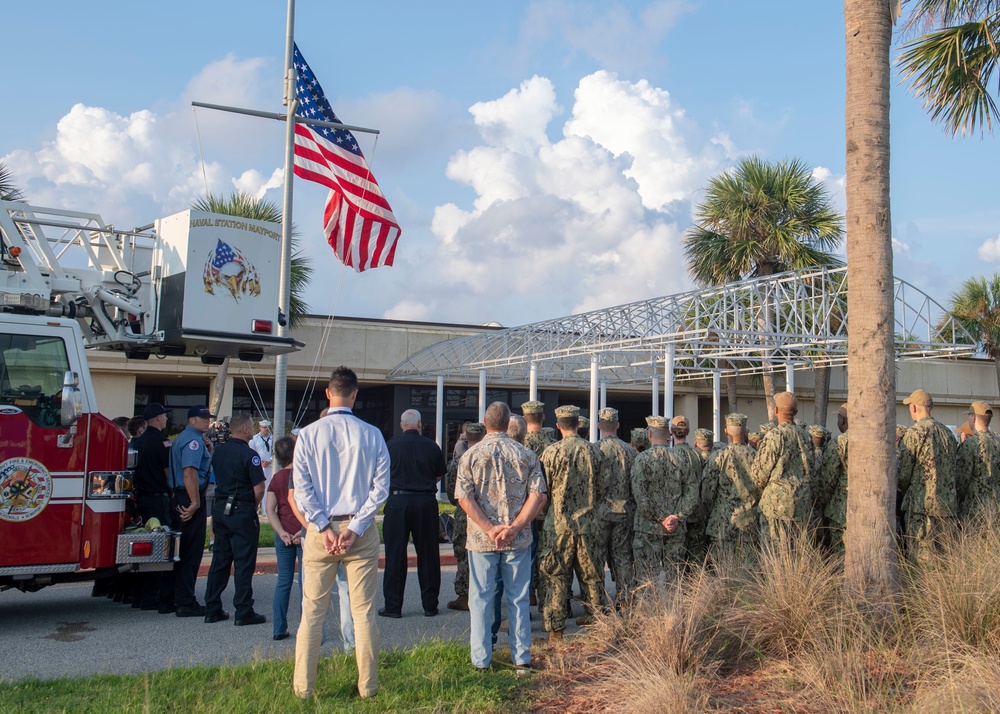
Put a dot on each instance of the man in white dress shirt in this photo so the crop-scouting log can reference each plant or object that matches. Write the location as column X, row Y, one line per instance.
column 263, row 443
column 341, row 477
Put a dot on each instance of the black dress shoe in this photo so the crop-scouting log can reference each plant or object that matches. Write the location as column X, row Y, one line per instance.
column 394, row 615
column 191, row 611
column 282, row 636
column 166, row 609
column 216, row 617
column 431, row 613
column 254, row 618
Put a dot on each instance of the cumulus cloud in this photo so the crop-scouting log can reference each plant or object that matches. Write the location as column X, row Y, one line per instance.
column 990, row 250
column 560, row 226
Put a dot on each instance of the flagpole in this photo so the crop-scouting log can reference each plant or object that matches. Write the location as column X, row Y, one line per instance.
column 284, row 281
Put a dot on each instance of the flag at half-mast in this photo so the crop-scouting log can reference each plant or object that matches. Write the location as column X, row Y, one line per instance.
column 357, row 219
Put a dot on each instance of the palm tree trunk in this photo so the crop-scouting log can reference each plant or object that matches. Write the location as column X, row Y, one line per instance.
column 772, row 410
column 871, row 565
column 822, row 393
column 731, row 396
column 221, row 377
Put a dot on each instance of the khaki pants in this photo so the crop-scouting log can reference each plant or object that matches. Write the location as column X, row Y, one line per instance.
column 320, row 576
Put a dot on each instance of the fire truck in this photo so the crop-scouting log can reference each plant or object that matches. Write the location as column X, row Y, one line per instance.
column 192, row 284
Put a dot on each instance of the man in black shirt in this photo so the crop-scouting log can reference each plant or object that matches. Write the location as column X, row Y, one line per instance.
column 239, row 486
column 416, row 464
column 152, row 493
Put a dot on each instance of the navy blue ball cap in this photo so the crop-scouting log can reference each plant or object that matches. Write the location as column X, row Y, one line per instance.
column 200, row 411
column 154, row 410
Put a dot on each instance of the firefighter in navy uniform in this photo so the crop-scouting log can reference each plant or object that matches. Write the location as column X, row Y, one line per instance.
column 152, row 491
column 239, row 487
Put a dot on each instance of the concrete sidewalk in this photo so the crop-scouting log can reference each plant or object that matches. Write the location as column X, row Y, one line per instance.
column 268, row 563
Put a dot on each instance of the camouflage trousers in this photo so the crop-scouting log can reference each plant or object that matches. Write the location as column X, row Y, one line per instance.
column 696, row 542
column 656, row 554
column 564, row 551
column 458, row 535
column 619, row 553
column 777, row 529
column 922, row 535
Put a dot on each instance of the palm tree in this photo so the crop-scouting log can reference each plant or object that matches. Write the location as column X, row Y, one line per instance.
column 870, row 565
column 9, row 191
column 976, row 307
column 952, row 66
column 244, row 205
column 758, row 219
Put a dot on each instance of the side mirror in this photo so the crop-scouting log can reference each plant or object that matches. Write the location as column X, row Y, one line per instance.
column 71, row 408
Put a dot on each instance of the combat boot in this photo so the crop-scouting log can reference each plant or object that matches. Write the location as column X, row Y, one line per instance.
column 459, row 603
column 555, row 635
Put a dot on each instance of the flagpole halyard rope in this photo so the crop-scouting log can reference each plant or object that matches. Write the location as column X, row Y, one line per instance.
column 201, row 155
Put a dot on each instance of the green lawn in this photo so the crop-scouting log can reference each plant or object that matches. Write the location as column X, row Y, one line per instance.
column 436, row 677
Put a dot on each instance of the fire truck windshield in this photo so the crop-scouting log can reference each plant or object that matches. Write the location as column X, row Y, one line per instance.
column 31, row 375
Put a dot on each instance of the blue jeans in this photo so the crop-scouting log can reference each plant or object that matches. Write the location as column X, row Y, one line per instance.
column 286, row 556
column 515, row 571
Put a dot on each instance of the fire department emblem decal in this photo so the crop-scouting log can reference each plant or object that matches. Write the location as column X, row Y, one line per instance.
column 229, row 271
column 25, row 489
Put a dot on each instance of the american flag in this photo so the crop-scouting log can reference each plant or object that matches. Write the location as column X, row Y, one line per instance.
column 358, row 221
column 223, row 255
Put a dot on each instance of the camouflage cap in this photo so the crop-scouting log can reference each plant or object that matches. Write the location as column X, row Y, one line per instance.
column 736, row 419
column 584, row 423
column 656, row 422
column 920, row 398
column 549, row 431
column 786, row 402
column 817, row 430
column 704, row 435
column 763, row 429
column 608, row 414
column 842, row 411
column 981, row 409
column 567, row 411
column 639, row 436
column 475, row 428
column 680, row 421
column 900, row 430
column 532, row 407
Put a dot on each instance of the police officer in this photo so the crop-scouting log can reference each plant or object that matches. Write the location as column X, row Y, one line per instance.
column 152, row 492
column 189, row 464
column 239, row 487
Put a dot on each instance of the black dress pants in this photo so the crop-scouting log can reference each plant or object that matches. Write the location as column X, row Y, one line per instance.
column 192, row 548
column 415, row 515
column 156, row 587
column 236, row 537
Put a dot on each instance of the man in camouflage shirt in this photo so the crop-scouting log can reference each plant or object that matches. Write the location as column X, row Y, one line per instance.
column 665, row 493
column 732, row 521
column 620, row 506
column 640, row 440
column 978, row 468
column 574, row 525
column 689, row 461
column 537, row 439
column 782, row 471
column 926, row 479
column 831, row 485
column 697, row 536
column 474, row 433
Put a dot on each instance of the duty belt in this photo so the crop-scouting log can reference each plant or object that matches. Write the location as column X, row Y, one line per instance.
column 403, row 492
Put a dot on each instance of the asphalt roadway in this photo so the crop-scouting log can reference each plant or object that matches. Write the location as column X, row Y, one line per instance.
column 62, row 631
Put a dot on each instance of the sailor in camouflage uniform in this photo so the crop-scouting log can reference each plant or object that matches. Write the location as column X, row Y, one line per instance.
column 620, row 506
column 474, row 433
column 584, row 429
column 732, row 521
column 697, row 535
column 574, row 524
column 978, row 468
column 640, row 440
column 665, row 493
column 831, row 485
column 926, row 479
column 537, row 439
column 687, row 459
column 782, row 471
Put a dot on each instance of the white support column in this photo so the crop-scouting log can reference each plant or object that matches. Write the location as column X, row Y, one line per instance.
column 533, row 382
column 439, row 414
column 482, row 394
column 656, row 395
column 668, row 383
column 604, row 394
column 593, row 398
column 717, row 404
column 790, row 376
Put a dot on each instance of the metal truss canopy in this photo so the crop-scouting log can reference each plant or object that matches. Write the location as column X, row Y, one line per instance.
column 754, row 326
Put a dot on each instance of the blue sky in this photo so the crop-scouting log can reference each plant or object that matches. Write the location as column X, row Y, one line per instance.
column 542, row 157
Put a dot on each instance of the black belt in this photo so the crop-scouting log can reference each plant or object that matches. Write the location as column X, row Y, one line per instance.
column 402, row 492
column 341, row 518
column 143, row 494
column 177, row 491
